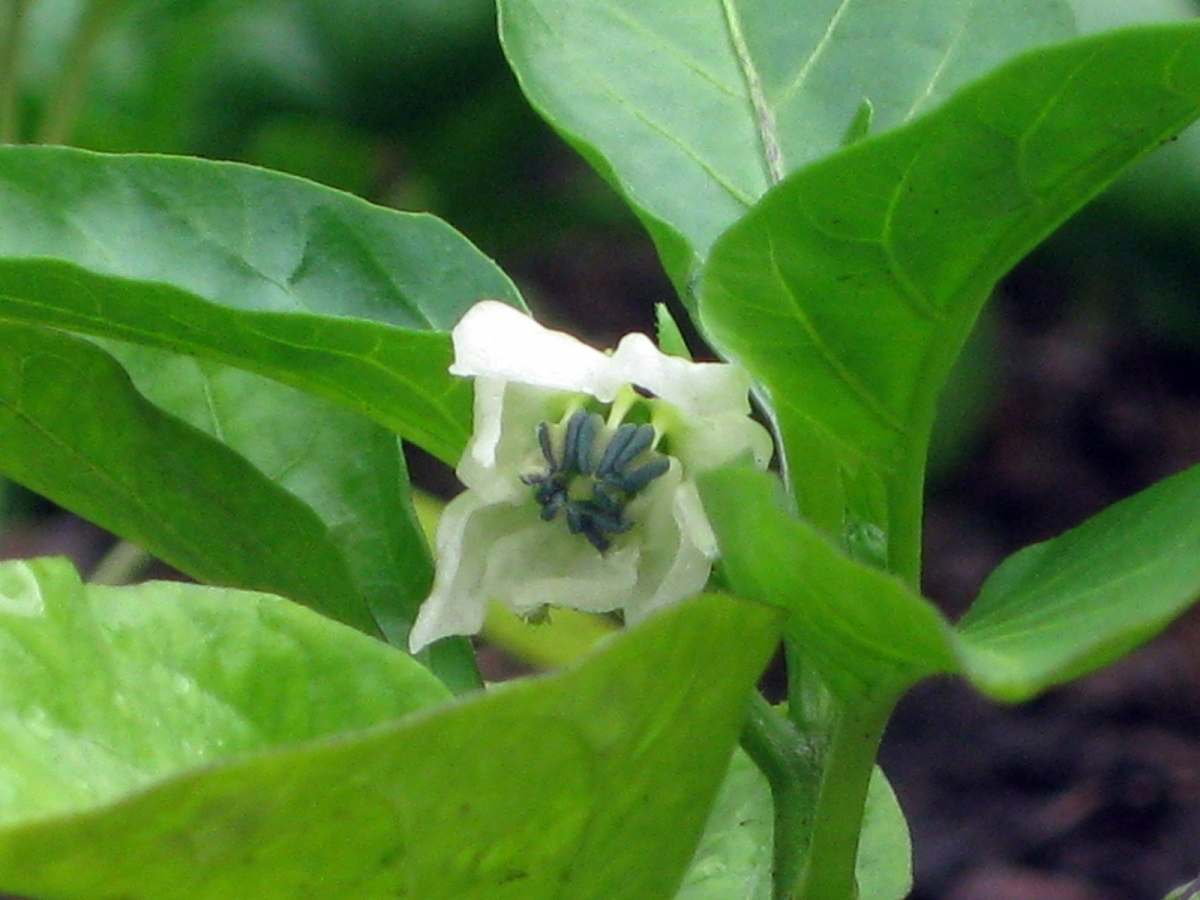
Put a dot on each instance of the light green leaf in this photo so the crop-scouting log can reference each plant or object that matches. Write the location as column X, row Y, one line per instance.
column 555, row 788
column 733, row 861
column 865, row 633
column 1068, row 606
column 694, row 109
column 73, row 428
column 261, row 271
column 851, row 286
column 104, row 692
column 884, row 867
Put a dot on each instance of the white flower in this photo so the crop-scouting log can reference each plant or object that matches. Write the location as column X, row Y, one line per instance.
column 580, row 474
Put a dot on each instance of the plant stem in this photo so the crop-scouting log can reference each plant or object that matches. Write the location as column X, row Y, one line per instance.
column 62, row 109
column 120, row 565
column 790, row 767
column 10, row 91
column 847, row 765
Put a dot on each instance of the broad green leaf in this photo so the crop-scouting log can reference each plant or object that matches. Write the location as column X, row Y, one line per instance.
column 73, row 428
column 347, row 470
column 105, row 692
column 1062, row 608
column 694, row 109
column 260, row 271
column 733, row 861
column 850, row 287
column 554, row 788
column 859, row 627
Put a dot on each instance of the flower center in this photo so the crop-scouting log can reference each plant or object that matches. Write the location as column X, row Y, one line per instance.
column 592, row 487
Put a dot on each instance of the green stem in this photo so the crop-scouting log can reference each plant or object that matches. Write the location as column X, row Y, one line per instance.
column 837, row 824
column 121, row 565
column 790, row 767
column 10, row 90
column 62, row 110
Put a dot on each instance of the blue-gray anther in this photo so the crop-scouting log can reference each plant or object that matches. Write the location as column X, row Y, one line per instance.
column 612, row 483
column 543, row 433
column 633, row 481
column 630, row 441
column 582, row 429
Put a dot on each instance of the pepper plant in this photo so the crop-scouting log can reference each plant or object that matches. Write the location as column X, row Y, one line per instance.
column 217, row 363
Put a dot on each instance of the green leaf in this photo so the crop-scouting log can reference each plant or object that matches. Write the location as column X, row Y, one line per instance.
column 348, row 471
column 694, row 109
column 856, row 639
column 851, row 286
column 260, row 271
column 1068, row 606
column 551, row 788
column 733, row 861
column 73, row 428
column 884, row 867
column 105, row 692
column 862, row 629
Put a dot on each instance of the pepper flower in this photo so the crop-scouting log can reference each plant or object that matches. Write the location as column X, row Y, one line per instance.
column 580, row 475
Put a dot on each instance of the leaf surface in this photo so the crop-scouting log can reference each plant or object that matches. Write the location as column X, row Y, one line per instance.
column 1070, row 605
column 850, row 287
column 859, row 627
column 257, row 270
column 694, row 109
column 349, row 471
column 554, row 788
column 75, row 429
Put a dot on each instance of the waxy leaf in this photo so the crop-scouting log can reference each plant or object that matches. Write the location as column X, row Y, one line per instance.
column 74, row 428
column 107, row 691
column 861, row 628
column 694, row 109
column 850, row 287
column 349, row 471
column 261, row 271
column 555, row 788
column 1068, row 606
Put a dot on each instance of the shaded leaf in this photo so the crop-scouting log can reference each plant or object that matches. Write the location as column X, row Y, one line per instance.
column 693, row 110
column 850, row 288
column 860, row 628
column 74, row 429
column 349, row 471
column 733, row 861
column 261, row 271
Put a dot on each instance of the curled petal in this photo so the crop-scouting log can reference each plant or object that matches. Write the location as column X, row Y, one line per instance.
column 494, row 340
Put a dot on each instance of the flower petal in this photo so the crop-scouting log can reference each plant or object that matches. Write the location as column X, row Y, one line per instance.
column 494, row 340
column 698, row 389
column 450, row 608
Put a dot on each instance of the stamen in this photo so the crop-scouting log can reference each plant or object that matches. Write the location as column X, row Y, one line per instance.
column 543, row 434
column 582, row 429
column 634, row 481
column 610, row 482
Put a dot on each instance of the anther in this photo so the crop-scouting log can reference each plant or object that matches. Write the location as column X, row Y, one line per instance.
column 543, row 435
column 632, row 482
column 582, row 428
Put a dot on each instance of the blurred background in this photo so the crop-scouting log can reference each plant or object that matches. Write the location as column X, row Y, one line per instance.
column 1080, row 386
